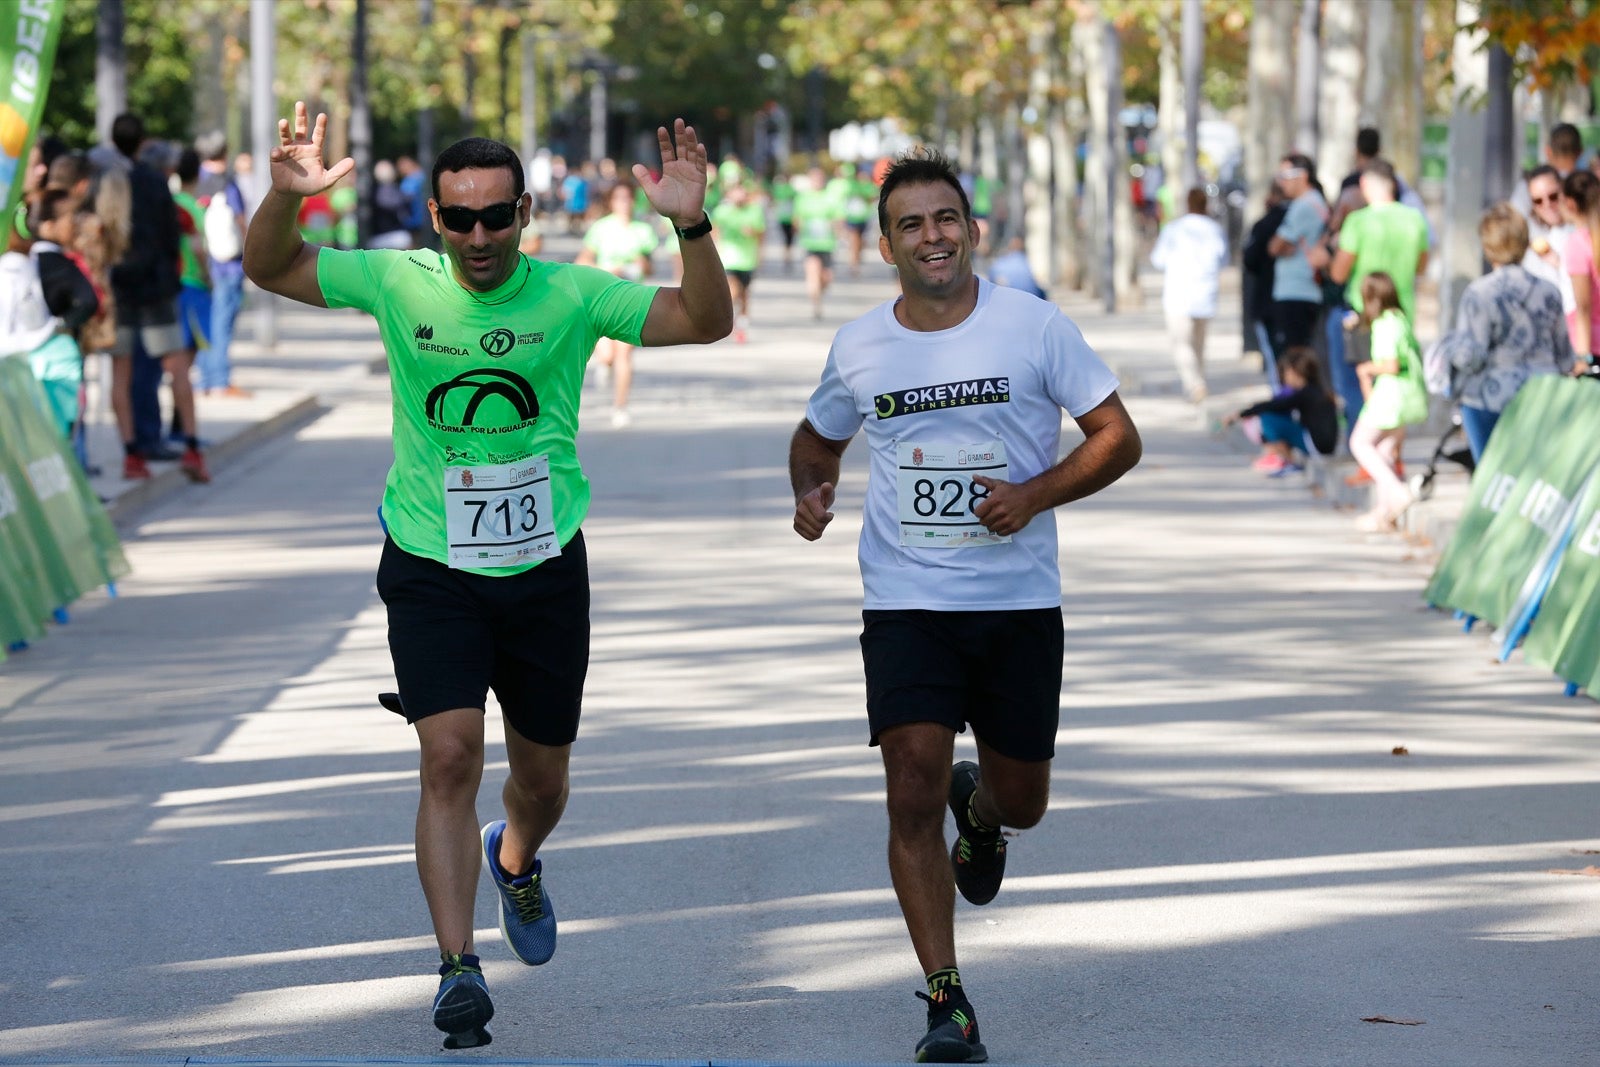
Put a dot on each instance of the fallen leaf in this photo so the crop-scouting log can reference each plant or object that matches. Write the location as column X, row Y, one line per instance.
column 1591, row 871
column 1386, row 1019
column 1400, row 750
column 1584, row 851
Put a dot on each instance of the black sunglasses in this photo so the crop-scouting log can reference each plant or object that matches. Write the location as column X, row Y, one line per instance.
column 494, row 217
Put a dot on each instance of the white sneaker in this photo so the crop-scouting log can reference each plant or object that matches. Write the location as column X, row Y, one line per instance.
column 620, row 419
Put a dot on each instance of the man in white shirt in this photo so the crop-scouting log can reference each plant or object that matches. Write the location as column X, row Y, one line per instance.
column 1191, row 251
column 960, row 385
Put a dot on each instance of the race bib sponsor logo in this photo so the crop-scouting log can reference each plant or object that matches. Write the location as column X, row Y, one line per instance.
column 429, row 267
column 949, row 395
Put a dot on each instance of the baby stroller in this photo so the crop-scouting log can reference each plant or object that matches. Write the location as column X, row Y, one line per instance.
column 1453, row 447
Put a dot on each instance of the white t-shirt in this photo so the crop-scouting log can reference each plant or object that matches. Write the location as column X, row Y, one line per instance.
column 1004, row 375
column 1192, row 250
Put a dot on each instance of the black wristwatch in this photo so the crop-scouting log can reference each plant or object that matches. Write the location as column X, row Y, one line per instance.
column 699, row 229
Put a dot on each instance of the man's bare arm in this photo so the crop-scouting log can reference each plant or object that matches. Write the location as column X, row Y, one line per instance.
column 1110, row 448
column 813, row 474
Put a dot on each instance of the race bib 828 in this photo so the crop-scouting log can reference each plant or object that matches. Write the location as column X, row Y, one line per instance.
column 936, row 494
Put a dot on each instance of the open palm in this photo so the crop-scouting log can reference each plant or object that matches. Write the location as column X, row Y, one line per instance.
column 296, row 163
column 680, row 194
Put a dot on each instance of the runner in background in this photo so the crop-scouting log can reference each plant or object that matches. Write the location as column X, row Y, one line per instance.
column 621, row 245
column 741, row 224
column 816, row 221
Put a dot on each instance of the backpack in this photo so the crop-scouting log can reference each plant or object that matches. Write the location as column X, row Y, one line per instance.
column 1440, row 361
column 222, row 232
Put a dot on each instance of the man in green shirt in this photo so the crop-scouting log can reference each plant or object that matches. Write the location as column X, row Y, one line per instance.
column 1385, row 235
column 483, row 572
column 741, row 223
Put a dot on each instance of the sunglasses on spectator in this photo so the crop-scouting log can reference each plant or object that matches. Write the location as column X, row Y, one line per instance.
column 464, row 219
column 1540, row 201
column 1291, row 172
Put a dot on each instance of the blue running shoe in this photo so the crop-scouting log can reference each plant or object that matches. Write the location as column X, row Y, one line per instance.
column 462, row 1007
column 527, row 921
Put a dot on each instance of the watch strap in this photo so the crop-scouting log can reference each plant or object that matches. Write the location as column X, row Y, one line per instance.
column 699, row 229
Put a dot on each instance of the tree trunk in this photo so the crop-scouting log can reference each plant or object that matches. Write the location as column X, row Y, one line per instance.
column 1342, row 63
column 1267, row 131
column 1401, row 109
column 110, row 68
column 1308, row 63
column 1463, row 203
column 1066, row 123
column 1016, row 176
column 1194, row 55
column 1038, row 223
column 1170, row 106
column 210, row 81
column 1124, row 250
column 1382, row 51
column 1502, row 151
column 1096, row 214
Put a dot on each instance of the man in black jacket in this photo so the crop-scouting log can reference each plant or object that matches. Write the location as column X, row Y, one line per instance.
column 1255, row 287
column 145, row 287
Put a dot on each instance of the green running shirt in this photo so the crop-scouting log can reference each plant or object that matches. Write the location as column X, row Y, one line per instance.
column 481, row 378
column 740, row 250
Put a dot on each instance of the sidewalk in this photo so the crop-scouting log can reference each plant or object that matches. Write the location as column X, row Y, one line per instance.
column 322, row 354
column 1135, row 342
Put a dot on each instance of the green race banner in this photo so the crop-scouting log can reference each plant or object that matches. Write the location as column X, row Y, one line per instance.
column 56, row 540
column 1543, row 448
column 1565, row 637
column 29, row 30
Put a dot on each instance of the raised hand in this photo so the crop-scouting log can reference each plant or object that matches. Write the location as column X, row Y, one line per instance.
column 680, row 195
column 296, row 163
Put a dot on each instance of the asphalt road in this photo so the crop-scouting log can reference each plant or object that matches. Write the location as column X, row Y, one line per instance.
column 206, row 821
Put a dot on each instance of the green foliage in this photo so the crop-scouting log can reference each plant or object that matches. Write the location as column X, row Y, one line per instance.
column 159, row 37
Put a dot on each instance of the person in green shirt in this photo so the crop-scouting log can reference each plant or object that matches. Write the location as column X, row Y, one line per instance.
column 783, row 194
column 483, row 572
column 194, row 277
column 1387, row 236
column 742, row 223
column 816, row 218
column 619, row 244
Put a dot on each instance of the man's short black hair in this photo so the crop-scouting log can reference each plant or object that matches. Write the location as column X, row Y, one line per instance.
column 1566, row 142
column 478, row 153
column 919, row 166
column 1541, row 170
column 127, row 133
column 188, row 168
column 1367, row 142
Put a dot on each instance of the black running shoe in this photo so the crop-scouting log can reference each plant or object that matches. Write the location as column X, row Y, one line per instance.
column 952, row 1035
column 979, row 855
column 462, row 1007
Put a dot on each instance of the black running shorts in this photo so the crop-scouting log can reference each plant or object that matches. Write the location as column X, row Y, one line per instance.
column 455, row 635
column 999, row 671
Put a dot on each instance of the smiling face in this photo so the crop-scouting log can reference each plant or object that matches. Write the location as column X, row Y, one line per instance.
column 929, row 240
column 1544, row 193
column 483, row 258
